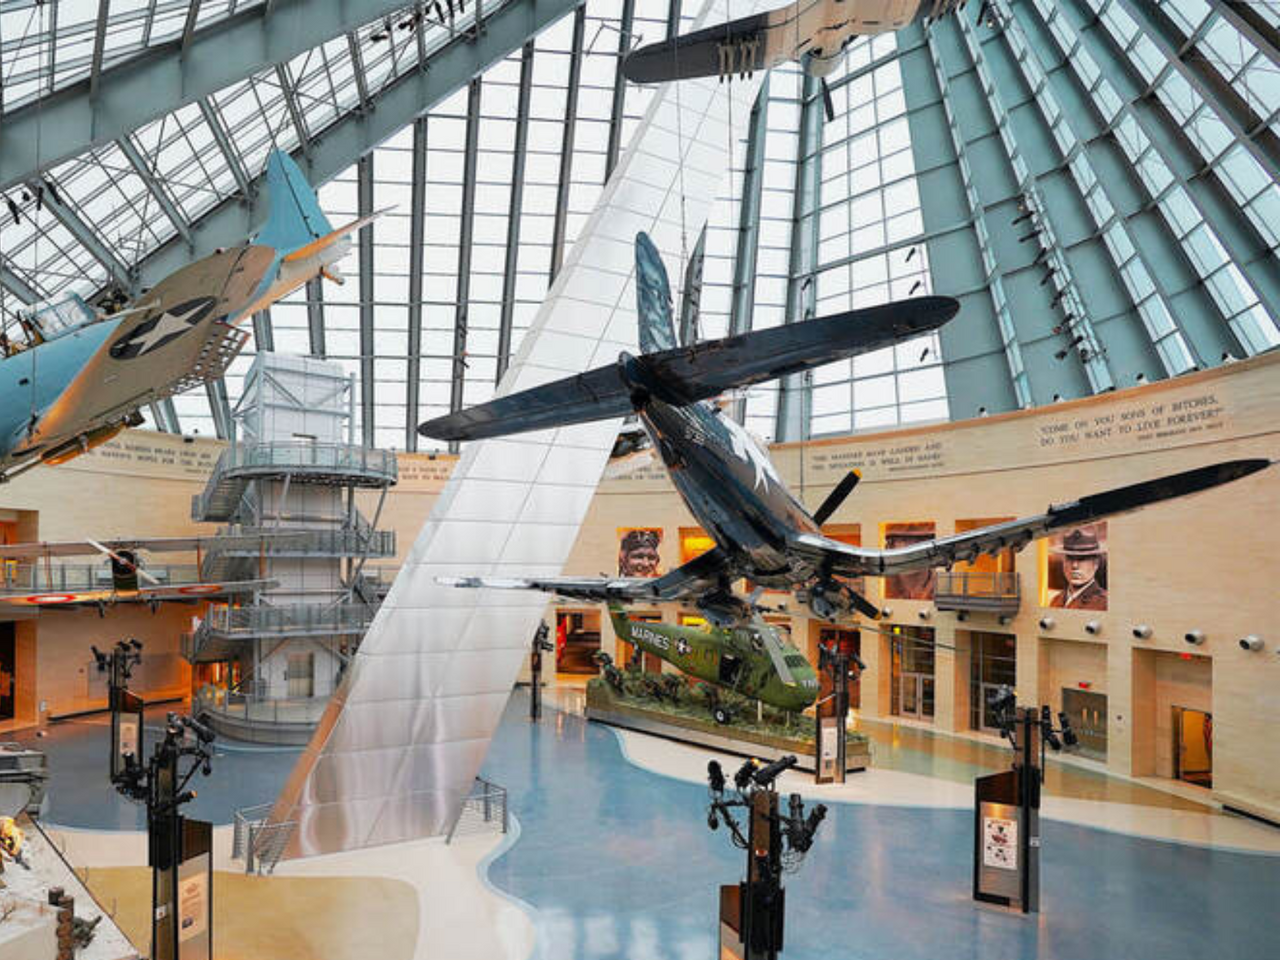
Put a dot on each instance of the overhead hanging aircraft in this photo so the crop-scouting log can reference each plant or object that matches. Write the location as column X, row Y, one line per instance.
column 728, row 482
column 29, row 578
column 814, row 31
column 77, row 377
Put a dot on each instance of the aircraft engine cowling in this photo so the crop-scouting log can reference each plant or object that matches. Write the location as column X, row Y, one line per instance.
column 832, row 600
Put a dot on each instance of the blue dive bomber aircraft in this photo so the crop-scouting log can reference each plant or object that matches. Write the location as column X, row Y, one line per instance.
column 728, row 483
column 81, row 377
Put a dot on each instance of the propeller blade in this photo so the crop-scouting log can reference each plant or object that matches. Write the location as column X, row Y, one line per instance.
column 836, row 497
column 827, row 103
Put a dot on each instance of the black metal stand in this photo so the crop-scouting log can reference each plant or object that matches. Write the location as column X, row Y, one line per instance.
column 752, row 913
column 1006, row 844
column 539, row 646
column 179, row 850
column 832, row 717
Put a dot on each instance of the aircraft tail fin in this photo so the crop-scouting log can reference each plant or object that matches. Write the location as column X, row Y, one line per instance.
column 295, row 219
column 653, row 296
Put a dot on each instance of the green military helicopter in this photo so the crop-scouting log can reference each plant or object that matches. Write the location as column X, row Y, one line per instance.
column 751, row 659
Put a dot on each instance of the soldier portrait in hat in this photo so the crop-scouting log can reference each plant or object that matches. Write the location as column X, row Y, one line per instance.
column 638, row 552
column 915, row 584
column 1080, row 558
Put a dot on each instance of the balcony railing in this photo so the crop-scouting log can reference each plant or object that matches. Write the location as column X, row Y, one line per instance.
column 322, row 542
column 996, row 592
column 299, row 620
column 24, row 578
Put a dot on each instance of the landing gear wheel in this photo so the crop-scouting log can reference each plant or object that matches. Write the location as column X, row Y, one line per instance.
column 721, row 715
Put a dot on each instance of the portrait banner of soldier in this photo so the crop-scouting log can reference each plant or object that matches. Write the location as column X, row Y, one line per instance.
column 1077, row 574
column 915, row 584
column 638, row 552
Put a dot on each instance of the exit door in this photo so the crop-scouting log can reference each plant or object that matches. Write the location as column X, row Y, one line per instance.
column 1193, row 746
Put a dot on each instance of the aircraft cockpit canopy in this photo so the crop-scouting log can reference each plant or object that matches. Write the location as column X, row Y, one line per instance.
column 44, row 321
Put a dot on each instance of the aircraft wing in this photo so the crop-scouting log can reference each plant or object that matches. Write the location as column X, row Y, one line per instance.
column 700, row 371
column 177, row 338
column 699, row 575
column 844, row 560
column 740, row 46
column 165, row 593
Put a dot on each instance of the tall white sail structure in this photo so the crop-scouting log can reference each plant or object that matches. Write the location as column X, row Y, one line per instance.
column 403, row 738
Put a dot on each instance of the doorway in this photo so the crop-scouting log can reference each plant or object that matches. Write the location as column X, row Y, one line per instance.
column 1087, row 714
column 911, row 673
column 915, row 692
column 993, row 664
column 650, row 662
column 1193, row 746
column 848, row 642
column 8, row 671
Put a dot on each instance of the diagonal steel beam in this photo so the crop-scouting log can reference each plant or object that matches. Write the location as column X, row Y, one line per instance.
column 1184, row 56
column 515, row 209
column 128, row 95
column 417, row 216
column 339, row 144
column 291, row 101
column 368, row 384
column 566, row 142
column 86, row 237
column 157, row 189
column 214, row 121
column 357, row 68
column 465, row 235
column 619, row 88
column 99, row 45
column 1255, row 28
column 17, row 285
column 189, row 27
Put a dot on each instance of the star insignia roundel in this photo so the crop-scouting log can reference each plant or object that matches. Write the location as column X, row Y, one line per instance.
column 154, row 333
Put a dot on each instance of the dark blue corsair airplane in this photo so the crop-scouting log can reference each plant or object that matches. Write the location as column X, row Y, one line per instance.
column 727, row 481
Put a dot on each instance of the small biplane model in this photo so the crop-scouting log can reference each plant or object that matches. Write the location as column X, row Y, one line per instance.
column 76, row 376
column 30, row 578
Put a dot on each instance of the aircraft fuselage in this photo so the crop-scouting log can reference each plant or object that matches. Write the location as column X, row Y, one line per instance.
column 730, row 485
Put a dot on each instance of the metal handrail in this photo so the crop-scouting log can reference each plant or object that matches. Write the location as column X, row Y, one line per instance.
column 342, row 542
column 484, row 808
column 978, row 583
column 257, row 841
column 297, row 619
column 305, row 454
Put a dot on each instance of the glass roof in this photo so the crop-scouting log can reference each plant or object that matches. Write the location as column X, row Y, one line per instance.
column 90, row 219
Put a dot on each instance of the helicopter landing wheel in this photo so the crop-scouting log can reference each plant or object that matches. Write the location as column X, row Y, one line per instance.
column 721, row 714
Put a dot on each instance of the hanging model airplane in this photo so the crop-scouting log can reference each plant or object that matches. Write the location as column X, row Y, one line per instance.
column 728, row 482
column 29, row 578
column 751, row 659
column 815, row 31
column 81, row 377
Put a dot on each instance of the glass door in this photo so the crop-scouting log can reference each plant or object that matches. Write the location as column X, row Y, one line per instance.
column 915, row 697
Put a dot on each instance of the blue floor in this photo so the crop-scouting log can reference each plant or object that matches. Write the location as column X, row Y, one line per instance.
column 619, row 862
column 80, row 792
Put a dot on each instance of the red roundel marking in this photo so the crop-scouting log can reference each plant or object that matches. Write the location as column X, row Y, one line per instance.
column 200, row 588
column 52, row 598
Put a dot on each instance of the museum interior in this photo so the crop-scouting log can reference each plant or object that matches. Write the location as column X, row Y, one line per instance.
column 548, row 479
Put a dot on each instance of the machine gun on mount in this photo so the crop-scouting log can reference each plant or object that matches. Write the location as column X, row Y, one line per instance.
column 752, row 912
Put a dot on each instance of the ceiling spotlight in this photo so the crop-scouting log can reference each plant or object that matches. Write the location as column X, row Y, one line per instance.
column 1252, row 642
column 1228, row 357
column 1057, row 397
column 982, row 411
column 1140, row 378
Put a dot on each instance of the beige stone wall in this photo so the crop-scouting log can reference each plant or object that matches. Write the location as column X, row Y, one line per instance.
column 1208, row 562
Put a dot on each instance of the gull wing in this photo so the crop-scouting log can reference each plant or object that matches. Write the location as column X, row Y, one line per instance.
column 177, row 337
column 697, row 576
column 844, row 560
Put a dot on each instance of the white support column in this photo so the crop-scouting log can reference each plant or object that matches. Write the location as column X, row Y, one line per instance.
column 403, row 739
